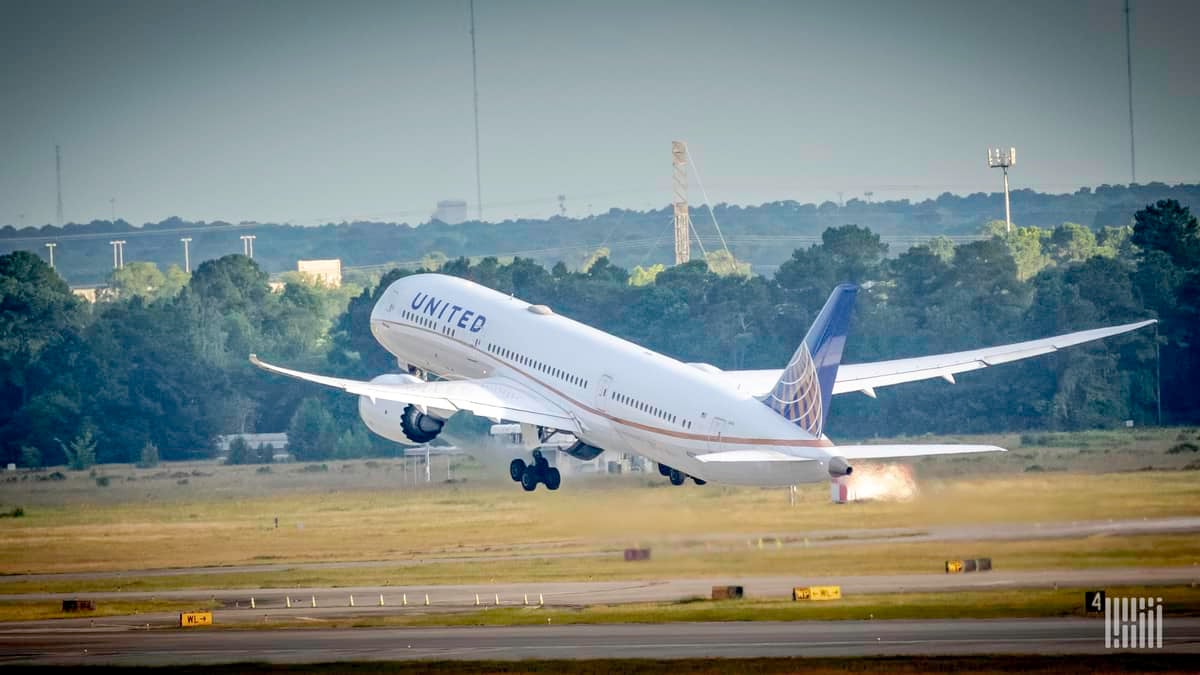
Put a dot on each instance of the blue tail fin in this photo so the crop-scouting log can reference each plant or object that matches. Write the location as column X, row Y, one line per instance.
column 803, row 392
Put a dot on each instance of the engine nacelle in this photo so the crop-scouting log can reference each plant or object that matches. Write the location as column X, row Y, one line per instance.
column 838, row 467
column 399, row 422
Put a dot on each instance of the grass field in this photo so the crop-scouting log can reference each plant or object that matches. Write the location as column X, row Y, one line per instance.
column 374, row 511
column 38, row 610
column 1092, row 552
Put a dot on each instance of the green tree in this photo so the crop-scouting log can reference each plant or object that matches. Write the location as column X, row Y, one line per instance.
column 1169, row 227
column 312, row 434
column 138, row 279
column 642, row 276
column 81, row 451
column 149, row 456
column 240, row 452
column 1072, row 242
column 31, row 458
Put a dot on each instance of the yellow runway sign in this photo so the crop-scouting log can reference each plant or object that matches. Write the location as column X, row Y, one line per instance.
column 195, row 619
column 817, row 593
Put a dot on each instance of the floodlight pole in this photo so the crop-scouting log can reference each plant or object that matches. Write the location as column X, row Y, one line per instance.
column 187, row 261
column 1002, row 159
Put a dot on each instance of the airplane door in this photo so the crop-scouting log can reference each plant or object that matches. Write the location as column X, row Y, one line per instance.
column 602, row 391
column 716, row 433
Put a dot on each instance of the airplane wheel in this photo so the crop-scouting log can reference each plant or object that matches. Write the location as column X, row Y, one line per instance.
column 529, row 478
column 698, row 481
column 676, row 477
column 516, row 469
column 664, row 469
column 552, row 479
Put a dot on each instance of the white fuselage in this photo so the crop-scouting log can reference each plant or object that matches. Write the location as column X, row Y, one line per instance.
column 625, row 398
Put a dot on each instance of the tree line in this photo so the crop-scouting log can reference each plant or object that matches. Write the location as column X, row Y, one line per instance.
column 162, row 364
column 761, row 235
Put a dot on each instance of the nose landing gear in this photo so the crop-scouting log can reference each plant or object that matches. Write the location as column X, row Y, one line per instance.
column 529, row 475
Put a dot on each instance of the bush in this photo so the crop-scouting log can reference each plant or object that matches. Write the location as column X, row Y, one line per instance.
column 1180, row 448
column 181, row 481
column 17, row 512
column 263, row 469
column 103, row 481
column 1034, row 468
column 149, row 458
column 57, row 475
column 315, row 468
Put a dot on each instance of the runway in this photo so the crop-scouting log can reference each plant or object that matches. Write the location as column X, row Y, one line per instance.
column 654, row 641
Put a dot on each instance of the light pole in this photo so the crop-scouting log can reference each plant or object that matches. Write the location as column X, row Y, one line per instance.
column 51, row 246
column 1002, row 159
column 248, row 245
column 118, row 254
column 187, row 261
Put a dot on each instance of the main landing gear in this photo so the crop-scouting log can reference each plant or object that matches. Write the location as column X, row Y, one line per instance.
column 529, row 475
column 676, row 476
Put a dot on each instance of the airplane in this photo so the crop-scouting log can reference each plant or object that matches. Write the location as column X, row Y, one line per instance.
column 505, row 359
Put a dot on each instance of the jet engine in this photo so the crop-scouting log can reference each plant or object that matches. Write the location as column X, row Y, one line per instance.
column 838, row 467
column 399, row 422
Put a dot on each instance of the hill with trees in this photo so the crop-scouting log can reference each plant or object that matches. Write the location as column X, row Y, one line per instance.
column 760, row 235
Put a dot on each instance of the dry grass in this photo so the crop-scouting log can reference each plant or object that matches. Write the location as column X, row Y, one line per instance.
column 38, row 610
column 390, row 525
column 373, row 511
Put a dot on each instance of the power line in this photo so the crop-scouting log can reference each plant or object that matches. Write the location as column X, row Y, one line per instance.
column 58, row 174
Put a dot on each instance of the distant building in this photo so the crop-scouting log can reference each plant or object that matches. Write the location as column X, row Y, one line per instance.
column 451, row 211
column 328, row 272
column 277, row 443
column 93, row 294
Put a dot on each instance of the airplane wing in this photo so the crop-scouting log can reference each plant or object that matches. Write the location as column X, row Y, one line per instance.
column 496, row 398
column 866, row 377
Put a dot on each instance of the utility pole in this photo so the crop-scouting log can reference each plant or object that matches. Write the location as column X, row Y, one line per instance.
column 683, row 221
column 51, row 245
column 1002, row 159
column 112, row 205
column 58, row 173
column 475, row 97
column 187, row 261
column 248, row 245
column 1129, row 73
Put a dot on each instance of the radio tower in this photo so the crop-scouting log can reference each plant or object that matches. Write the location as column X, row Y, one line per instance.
column 683, row 222
column 1129, row 73
column 58, row 172
column 475, row 94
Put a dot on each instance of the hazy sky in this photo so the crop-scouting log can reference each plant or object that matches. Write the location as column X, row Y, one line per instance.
column 320, row 111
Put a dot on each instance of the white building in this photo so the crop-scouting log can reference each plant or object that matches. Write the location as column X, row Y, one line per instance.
column 451, row 211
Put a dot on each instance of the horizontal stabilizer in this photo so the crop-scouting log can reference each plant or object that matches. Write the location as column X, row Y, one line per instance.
column 751, row 456
column 893, row 451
